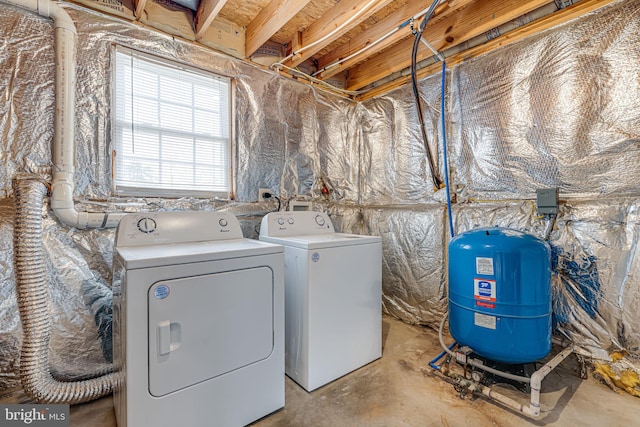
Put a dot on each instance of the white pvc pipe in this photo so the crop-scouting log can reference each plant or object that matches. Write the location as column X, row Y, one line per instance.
column 64, row 122
column 326, row 36
column 533, row 410
column 510, row 403
column 538, row 376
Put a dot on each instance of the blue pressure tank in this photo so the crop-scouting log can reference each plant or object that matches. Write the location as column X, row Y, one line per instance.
column 500, row 294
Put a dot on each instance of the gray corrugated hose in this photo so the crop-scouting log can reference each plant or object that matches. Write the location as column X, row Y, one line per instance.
column 33, row 304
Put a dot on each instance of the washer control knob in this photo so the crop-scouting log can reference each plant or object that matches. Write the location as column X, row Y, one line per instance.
column 223, row 222
column 290, row 220
column 147, row 225
column 281, row 221
column 320, row 220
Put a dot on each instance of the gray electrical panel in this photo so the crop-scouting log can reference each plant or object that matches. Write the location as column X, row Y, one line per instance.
column 547, row 200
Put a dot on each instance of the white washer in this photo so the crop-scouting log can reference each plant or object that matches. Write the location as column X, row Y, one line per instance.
column 333, row 301
column 198, row 321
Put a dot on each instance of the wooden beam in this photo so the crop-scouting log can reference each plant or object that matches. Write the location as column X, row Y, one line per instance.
column 139, row 6
column 553, row 20
column 334, row 18
column 206, row 13
column 481, row 17
column 391, row 22
column 269, row 20
column 296, row 42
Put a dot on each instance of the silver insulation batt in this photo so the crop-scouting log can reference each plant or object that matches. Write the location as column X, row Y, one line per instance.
column 559, row 109
column 413, row 254
column 394, row 164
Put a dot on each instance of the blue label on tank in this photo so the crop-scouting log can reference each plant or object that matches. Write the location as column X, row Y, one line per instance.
column 315, row 257
column 161, row 292
column 484, row 288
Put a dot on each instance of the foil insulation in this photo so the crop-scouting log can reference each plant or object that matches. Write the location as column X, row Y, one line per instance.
column 413, row 266
column 26, row 95
column 559, row 109
column 394, row 162
column 10, row 329
column 301, row 136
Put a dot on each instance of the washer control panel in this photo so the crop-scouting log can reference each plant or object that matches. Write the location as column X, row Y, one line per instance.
column 152, row 228
column 292, row 223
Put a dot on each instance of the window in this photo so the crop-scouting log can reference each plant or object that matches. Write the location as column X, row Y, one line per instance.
column 171, row 128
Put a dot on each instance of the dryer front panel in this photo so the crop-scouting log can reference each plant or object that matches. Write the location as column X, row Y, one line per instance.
column 205, row 326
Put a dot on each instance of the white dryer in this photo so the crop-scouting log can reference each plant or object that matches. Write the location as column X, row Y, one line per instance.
column 198, row 321
column 333, row 296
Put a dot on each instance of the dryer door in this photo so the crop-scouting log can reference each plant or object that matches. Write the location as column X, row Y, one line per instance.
column 202, row 327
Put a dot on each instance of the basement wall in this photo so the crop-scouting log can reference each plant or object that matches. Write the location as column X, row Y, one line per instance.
column 558, row 109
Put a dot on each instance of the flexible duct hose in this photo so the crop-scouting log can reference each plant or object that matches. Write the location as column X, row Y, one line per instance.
column 33, row 304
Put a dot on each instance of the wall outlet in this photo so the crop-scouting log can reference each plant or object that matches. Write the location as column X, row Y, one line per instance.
column 262, row 192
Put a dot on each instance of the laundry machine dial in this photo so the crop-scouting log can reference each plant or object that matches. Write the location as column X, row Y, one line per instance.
column 320, row 220
column 223, row 222
column 281, row 221
column 147, row 225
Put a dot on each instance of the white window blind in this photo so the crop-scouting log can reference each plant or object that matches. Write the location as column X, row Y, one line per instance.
column 171, row 128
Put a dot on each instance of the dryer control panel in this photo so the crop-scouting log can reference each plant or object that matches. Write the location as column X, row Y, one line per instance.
column 280, row 224
column 153, row 228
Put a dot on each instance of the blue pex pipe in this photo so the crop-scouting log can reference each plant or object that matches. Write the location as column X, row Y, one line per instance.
column 444, row 149
column 433, row 362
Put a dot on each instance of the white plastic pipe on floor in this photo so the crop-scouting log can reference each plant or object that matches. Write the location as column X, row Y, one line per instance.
column 533, row 410
column 535, row 382
column 64, row 123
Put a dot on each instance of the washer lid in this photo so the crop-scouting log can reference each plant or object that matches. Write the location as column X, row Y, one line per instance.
column 181, row 253
column 320, row 241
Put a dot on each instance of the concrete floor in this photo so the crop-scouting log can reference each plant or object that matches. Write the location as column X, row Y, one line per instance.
column 401, row 390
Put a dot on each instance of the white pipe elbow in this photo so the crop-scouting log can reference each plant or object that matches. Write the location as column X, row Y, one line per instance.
column 61, row 18
column 85, row 220
column 48, row 9
column 536, row 379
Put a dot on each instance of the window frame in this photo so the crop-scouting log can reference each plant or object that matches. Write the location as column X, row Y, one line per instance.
column 121, row 190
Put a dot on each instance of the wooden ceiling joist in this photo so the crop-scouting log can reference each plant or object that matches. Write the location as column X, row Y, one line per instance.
column 269, row 20
column 206, row 13
column 317, row 35
column 391, row 22
column 139, row 8
column 371, row 39
column 469, row 22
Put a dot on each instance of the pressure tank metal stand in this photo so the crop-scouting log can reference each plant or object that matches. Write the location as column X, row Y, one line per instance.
column 464, row 357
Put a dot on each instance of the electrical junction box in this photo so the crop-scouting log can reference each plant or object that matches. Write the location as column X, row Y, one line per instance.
column 547, row 200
